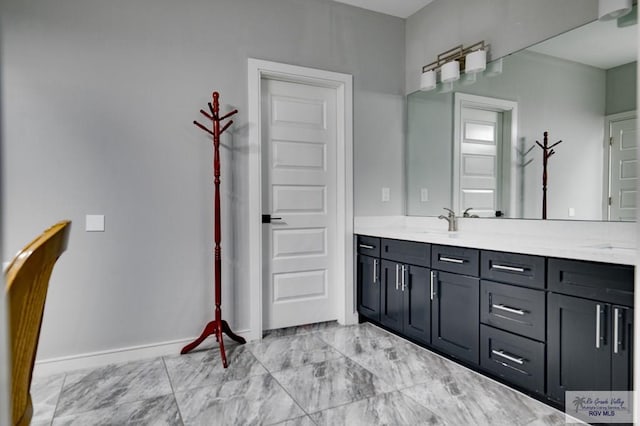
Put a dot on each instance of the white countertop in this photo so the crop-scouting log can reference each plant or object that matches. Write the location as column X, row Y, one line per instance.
column 609, row 242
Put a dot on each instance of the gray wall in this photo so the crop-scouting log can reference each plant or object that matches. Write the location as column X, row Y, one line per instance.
column 507, row 25
column 565, row 98
column 621, row 88
column 98, row 99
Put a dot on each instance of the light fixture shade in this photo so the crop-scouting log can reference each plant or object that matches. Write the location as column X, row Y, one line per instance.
column 494, row 68
column 475, row 62
column 450, row 72
column 629, row 19
column 428, row 80
column 612, row 9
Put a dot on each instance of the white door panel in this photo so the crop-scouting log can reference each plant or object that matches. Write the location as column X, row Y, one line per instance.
column 299, row 160
column 298, row 156
column 623, row 173
column 480, row 153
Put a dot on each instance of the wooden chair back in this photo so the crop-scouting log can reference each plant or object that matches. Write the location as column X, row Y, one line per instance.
column 27, row 280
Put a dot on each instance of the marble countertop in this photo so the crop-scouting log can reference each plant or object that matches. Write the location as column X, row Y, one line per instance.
column 569, row 241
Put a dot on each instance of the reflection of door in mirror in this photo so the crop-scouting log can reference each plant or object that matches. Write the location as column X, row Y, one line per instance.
column 482, row 141
column 622, row 175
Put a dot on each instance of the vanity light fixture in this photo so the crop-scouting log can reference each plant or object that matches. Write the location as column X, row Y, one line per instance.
column 472, row 59
column 613, row 9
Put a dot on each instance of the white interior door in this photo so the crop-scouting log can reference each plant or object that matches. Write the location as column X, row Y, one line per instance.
column 480, row 161
column 299, row 188
column 623, row 174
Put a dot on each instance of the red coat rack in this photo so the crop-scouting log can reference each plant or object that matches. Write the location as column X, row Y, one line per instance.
column 218, row 325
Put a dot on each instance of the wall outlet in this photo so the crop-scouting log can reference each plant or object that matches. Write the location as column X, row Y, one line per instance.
column 386, row 194
column 572, row 212
column 424, row 195
column 94, row 223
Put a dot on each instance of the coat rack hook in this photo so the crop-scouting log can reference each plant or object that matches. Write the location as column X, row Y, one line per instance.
column 235, row 111
column 203, row 128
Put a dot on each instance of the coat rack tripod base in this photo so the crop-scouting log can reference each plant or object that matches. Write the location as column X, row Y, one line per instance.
column 218, row 326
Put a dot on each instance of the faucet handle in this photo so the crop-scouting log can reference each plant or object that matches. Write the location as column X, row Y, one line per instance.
column 451, row 212
column 466, row 212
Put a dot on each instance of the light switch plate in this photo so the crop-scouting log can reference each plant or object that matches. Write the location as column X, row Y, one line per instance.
column 424, row 195
column 94, row 223
column 385, row 194
column 572, row 211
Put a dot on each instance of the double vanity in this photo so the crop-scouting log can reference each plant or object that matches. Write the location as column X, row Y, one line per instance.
column 544, row 311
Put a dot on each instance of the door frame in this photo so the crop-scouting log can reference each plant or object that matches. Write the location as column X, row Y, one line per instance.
column 606, row 181
column 343, row 83
column 509, row 156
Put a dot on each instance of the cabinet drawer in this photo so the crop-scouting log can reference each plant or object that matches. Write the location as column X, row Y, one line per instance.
column 516, row 359
column 598, row 281
column 513, row 268
column 515, row 309
column 455, row 259
column 409, row 252
column 369, row 246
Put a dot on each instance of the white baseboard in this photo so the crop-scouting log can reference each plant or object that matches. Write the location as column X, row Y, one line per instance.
column 64, row 364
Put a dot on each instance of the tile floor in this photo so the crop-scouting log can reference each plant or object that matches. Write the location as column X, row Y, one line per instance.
column 322, row 374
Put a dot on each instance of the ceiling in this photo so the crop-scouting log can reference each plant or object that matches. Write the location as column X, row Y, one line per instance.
column 600, row 44
column 399, row 8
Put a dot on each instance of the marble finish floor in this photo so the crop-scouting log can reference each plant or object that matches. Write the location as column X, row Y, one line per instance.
column 321, row 374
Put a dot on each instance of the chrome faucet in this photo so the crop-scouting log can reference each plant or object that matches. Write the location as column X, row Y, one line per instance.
column 451, row 218
column 466, row 213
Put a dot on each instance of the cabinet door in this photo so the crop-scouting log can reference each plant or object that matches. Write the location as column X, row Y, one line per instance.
column 391, row 302
column 455, row 316
column 622, row 351
column 578, row 346
column 369, row 287
column 417, row 304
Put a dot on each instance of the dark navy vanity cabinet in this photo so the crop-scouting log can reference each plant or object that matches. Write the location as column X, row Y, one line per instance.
column 512, row 316
column 590, row 316
column 542, row 325
column 454, row 301
column 368, row 277
column 405, row 288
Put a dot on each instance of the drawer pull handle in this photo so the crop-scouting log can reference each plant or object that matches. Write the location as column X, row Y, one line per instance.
column 366, row 246
column 508, row 309
column 375, row 271
column 502, row 354
column 598, row 326
column 507, row 268
column 433, row 274
column 451, row 260
column 616, row 313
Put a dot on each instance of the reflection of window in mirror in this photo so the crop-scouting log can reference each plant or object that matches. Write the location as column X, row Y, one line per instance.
column 572, row 86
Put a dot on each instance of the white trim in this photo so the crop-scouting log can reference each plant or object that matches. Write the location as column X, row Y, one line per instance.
column 606, row 189
column 502, row 105
column 343, row 83
column 5, row 377
column 64, row 364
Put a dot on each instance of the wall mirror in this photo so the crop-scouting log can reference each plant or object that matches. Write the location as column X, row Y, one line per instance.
column 473, row 144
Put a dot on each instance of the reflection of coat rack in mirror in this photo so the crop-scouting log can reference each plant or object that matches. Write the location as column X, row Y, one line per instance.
column 522, row 162
column 218, row 325
column 547, row 151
